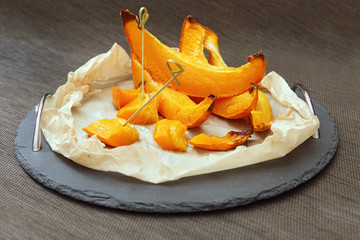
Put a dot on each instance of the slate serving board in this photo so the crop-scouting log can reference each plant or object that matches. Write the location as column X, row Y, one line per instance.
column 207, row 192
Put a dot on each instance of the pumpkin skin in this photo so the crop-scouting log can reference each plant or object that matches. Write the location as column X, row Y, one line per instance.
column 261, row 116
column 199, row 79
column 170, row 135
column 230, row 141
column 112, row 133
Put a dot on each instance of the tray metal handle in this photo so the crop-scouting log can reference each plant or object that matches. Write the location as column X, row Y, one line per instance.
column 36, row 144
column 308, row 102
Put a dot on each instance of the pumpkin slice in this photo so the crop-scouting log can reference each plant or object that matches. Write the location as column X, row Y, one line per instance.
column 122, row 97
column 147, row 115
column 191, row 116
column 261, row 116
column 170, row 135
column 175, row 105
column 136, row 72
column 152, row 86
column 230, row 141
column 199, row 79
column 194, row 37
column 238, row 106
column 112, row 132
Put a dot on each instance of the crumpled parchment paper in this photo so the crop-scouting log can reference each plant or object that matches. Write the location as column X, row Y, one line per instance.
column 86, row 97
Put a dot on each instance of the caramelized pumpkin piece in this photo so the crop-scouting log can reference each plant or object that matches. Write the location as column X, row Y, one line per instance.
column 112, row 132
column 152, row 86
column 261, row 116
column 170, row 135
column 194, row 37
column 122, row 97
column 147, row 115
column 238, row 106
column 230, row 141
column 200, row 79
column 175, row 105
column 191, row 116
column 212, row 45
column 136, row 72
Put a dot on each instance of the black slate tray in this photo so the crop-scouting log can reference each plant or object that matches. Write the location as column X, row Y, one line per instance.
column 207, row 192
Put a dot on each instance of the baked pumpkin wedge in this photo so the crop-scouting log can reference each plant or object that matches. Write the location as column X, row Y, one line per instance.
column 136, row 72
column 147, row 115
column 170, row 135
column 195, row 37
column 112, row 132
column 175, row 105
column 237, row 107
column 192, row 39
column 261, row 116
column 121, row 97
column 177, row 97
column 230, row 141
column 191, row 116
column 199, row 79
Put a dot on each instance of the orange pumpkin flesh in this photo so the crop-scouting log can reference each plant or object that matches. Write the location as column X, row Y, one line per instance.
column 237, row 107
column 199, row 79
column 175, row 105
column 261, row 116
column 122, row 97
column 136, row 72
column 147, row 115
column 203, row 77
column 112, row 133
column 212, row 45
column 170, row 135
column 194, row 37
column 230, row 141
column 190, row 116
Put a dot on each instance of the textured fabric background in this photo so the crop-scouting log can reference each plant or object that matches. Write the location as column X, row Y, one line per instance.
column 312, row 42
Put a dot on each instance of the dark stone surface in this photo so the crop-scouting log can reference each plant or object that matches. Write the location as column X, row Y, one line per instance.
column 207, row 192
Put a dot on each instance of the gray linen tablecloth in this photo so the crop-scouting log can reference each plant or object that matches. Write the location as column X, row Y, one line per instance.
column 312, row 42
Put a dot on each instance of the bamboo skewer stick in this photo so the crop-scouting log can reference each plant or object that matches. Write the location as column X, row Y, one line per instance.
column 143, row 17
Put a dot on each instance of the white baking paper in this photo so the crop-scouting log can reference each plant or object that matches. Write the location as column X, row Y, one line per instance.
column 86, row 97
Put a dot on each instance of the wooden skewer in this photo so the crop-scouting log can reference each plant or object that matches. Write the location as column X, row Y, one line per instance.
column 174, row 74
column 143, row 17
